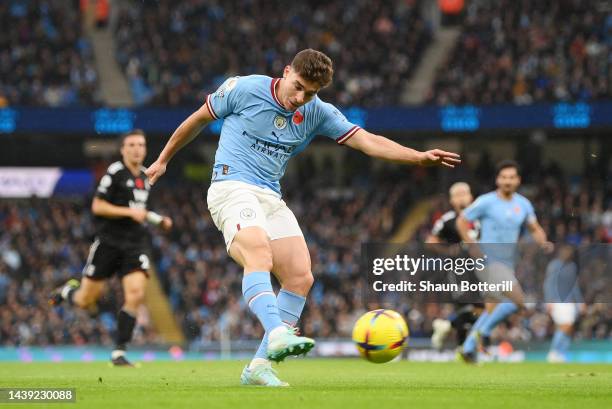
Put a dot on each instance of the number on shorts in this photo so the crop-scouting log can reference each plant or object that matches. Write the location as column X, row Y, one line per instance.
column 144, row 261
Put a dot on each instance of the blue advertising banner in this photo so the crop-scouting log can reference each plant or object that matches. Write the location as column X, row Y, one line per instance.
column 466, row 118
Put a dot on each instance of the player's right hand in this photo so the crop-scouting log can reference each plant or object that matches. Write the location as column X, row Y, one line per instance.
column 155, row 171
column 138, row 215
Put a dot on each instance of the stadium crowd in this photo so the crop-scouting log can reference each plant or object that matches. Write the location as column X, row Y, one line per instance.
column 175, row 52
column 45, row 242
column 527, row 52
column 45, row 58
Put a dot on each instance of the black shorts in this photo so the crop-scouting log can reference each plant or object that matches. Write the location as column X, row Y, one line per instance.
column 106, row 259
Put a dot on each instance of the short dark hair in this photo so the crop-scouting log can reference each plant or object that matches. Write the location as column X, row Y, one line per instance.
column 130, row 133
column 505, row 164
column 313, row 66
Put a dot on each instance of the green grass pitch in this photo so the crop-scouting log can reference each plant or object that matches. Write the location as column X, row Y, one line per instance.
column 320, row 384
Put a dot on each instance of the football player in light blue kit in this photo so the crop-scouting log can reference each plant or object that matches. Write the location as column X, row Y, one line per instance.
column 267, row 121
column 565, row 302
column 501, row 214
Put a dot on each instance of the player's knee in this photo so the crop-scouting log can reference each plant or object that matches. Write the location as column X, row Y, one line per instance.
column 135, row 296
column 300, row 281
column 307, row 280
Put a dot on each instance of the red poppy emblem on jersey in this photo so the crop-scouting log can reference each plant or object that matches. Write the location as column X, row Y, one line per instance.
column 298, row 118
column 139, row 183
column 517, row 209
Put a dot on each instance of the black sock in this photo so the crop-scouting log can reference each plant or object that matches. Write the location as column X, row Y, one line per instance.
column 125, row 326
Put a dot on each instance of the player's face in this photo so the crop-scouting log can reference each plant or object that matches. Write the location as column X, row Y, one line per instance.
column 508, row 180
column 296, row 91
column 134, row 149
column 461, row 198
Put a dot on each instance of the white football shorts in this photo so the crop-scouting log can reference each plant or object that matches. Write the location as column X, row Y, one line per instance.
column 235, row 205
column 564, row 313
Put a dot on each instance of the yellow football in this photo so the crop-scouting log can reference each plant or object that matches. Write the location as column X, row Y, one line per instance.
column 380, row 335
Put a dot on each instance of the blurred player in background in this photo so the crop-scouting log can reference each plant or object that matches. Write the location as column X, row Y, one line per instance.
column 445, row 232
column 565, row 301
column 267, row 121
column 501, row 213
column 120, row 246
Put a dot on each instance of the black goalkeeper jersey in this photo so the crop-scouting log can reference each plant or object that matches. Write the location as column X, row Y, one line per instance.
column 121, row 188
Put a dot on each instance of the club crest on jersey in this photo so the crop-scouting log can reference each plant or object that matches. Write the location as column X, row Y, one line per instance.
column 280, row 122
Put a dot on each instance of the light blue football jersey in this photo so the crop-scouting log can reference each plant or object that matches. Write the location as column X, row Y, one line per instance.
column 500, row 222
column 259, row 136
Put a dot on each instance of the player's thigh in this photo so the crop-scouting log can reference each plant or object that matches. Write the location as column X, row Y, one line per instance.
column 102, row 262
column 134, row 286
column 234, row 207
column 291, row 261
column 91, row 289
column 251, row 249
column 134, row 271
column 291, row 258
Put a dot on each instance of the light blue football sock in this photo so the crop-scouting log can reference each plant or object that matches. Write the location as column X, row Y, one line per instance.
column 561, row 342
column 555, row 345
column 259, row 296
column 290, row 306
column 500, row 313
column 469, row 345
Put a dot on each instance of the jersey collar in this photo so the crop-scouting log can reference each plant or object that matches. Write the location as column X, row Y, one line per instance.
column 273, row 84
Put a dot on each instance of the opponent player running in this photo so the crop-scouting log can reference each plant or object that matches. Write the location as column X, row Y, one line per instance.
column 445, row 232
column 501, row 213
column 120, row 207
column 267, row 121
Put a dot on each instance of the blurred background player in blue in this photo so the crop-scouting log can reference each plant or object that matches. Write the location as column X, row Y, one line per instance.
column 564, row 300
column 502, row 213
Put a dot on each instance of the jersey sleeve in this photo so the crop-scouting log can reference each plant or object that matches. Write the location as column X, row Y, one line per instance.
column 106, row 187
column 476, row 210
column 225, row 100
column 333, row 124
column 530, row 216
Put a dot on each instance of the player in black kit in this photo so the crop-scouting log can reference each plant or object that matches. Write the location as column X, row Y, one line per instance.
column 121, row 245
column 445, row 231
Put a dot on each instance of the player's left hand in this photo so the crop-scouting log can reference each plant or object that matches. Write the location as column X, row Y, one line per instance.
column 439, row 157
column 155, row 171
column 166, row 223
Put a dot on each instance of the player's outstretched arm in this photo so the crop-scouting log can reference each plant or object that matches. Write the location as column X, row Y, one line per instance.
column 539, row 235
column 383, row 148
column 103, row 208
column 184, row 134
